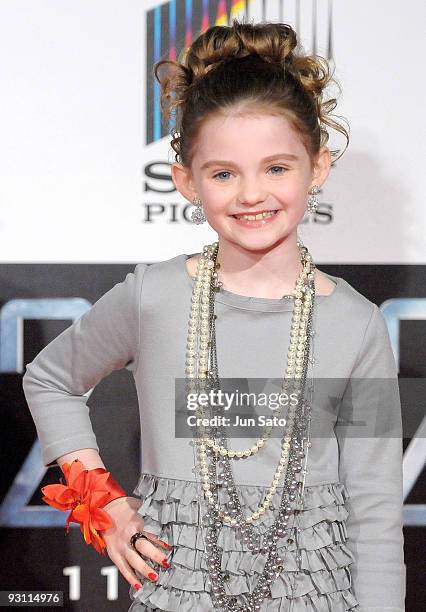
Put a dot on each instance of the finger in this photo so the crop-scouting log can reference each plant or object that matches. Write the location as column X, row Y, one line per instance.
column 126, row 571
column 140, row 565
column 148, row 549
column 157, row 540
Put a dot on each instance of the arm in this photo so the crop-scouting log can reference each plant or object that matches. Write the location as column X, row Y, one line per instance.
column 104, row 339
column 88, row 456
column 91, row 459
column 370, row 465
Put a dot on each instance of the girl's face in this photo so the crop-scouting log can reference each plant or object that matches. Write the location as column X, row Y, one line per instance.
column 249, row 164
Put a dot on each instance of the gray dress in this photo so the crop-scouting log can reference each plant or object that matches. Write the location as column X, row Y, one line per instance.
column 344, row 550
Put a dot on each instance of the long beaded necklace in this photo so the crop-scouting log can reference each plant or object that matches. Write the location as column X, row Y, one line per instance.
column 202, row 375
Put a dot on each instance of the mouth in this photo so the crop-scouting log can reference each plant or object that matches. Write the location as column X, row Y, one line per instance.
column 266, row 214
column 258, row 220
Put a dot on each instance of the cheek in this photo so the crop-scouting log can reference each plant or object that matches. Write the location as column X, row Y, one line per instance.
column 293, row 190
column 217, row 215
column 292, row 200
column 216, row 206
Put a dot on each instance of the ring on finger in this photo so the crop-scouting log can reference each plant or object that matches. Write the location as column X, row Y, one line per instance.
column 135, row 537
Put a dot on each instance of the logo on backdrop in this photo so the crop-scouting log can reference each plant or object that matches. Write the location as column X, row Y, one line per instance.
column 15, row 511
column 171, row 26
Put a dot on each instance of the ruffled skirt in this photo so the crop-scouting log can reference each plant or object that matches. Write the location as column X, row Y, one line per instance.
column 319, row 582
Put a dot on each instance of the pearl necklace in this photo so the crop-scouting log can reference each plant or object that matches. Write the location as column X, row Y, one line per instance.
column 294, row 445
column 296, row 351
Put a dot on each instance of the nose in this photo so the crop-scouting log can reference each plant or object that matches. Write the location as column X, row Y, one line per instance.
column 251, row 193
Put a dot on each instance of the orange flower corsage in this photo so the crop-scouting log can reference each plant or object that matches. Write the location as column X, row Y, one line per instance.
column 85, row 492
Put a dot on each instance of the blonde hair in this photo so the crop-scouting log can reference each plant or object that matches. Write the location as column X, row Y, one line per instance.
column 247, row 67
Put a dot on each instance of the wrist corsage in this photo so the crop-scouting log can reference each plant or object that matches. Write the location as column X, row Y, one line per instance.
column 85, row 493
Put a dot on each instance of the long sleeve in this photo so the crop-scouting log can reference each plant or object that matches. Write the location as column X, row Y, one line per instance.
column 370, row 465
column 103, row 339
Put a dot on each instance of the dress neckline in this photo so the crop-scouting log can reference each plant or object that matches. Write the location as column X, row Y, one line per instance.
column 255, row 303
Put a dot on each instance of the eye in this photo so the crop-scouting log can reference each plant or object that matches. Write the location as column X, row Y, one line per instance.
column 280, row 167
column 219, row 173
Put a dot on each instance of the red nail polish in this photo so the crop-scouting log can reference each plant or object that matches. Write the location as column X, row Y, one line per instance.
column 137, row 586
column 152, row 576
column 165, row 544
column 165, row 563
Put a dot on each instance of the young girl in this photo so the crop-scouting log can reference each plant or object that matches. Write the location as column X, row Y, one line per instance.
column 282, row 521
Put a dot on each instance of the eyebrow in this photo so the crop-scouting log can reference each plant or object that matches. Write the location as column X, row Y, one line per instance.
column 221, row 162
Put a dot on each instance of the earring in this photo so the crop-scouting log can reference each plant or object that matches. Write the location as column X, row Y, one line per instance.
column 197, row 215
column 312, row 200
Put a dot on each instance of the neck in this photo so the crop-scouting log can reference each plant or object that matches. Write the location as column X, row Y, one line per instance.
column 269, row 273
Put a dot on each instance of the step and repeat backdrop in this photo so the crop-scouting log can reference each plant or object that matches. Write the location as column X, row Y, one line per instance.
column 86, row 193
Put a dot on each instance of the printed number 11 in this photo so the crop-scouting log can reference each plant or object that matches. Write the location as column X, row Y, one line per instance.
column 74, row 573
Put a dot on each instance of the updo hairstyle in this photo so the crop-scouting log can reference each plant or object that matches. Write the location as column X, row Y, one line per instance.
column 247, row 68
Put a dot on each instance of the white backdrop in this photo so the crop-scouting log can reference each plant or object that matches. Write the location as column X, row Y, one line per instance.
column 72, row 125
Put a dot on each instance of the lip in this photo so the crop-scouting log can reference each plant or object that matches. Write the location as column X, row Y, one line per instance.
column 259, row 222
column 257, row 212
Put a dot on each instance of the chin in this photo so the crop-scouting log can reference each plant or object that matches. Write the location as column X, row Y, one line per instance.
column 257, row 244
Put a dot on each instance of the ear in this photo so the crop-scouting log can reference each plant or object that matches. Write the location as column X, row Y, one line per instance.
column 322, row 167
column 183, row 181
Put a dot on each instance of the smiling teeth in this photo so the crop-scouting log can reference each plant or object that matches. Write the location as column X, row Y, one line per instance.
column 264, row 215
